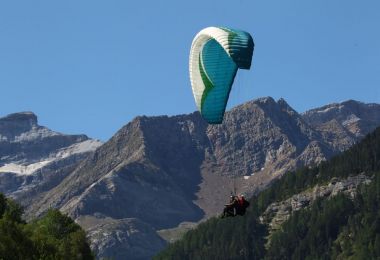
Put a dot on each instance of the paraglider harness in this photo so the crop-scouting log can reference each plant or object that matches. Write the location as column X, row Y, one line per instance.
column 237, row 206
column 230, row 209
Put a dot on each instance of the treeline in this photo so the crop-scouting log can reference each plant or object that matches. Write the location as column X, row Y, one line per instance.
column 54, row 236
column 330, row 229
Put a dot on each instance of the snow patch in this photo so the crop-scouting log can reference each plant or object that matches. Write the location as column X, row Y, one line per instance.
column 82, row 147
column 350, row 120
column 34, row 134
column 325, row 110
column 23, row 169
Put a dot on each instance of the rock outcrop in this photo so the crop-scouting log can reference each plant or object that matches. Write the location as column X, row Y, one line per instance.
column 278, row 212
column 350, row 119
column 127, row 238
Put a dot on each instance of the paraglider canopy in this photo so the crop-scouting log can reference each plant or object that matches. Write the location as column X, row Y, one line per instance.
column 215, row 56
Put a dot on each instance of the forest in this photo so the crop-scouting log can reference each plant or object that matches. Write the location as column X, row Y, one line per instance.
column 54, row 236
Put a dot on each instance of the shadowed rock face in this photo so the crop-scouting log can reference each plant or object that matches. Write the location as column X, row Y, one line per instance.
column 34, row 159
column 163, row 170
column 14, row 125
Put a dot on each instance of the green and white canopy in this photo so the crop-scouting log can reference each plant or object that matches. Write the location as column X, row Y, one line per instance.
column 216, row 54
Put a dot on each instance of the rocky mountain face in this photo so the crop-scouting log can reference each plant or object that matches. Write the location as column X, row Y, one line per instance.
column 141, row 173
column 127, row 238
column 277, row 213
column 158, row 172
column 342, row 124
column 33, row 158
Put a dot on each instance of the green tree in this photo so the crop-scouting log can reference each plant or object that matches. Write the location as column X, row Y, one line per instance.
column 58, row 235
column 54, row 236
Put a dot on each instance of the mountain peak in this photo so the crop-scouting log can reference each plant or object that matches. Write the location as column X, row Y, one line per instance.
column 282, row 102
column 352, row 101
column 269, row 105
column 27, row 116
column 265, row 99
column 17, row 123
column 286, row 107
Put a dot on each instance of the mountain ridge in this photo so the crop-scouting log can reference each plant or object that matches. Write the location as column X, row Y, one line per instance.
column 164, row 170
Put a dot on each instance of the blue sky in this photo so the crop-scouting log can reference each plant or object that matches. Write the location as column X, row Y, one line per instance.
column 92, row 66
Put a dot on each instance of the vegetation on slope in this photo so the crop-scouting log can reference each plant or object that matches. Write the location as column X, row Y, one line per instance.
column 55, row 236
column 337, row 228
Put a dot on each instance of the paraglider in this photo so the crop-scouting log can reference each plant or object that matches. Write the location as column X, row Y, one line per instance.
column 215, row 56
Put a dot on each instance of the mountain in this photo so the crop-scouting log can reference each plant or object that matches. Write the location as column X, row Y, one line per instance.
column 131, row 177
column 330, row 211
column 347, row 121
column 157, row 173
column 34, row 159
